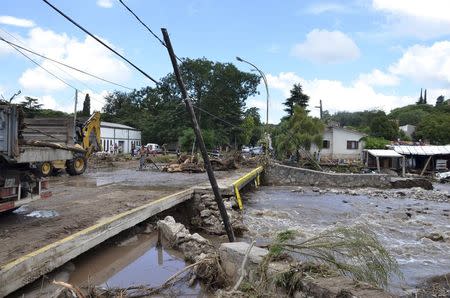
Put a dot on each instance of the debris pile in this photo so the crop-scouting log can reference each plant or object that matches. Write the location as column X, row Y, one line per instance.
column 225, row 164
column 192, row 164
column 185, row 163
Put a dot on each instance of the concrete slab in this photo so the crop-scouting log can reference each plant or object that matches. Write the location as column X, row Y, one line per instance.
column 27, row 268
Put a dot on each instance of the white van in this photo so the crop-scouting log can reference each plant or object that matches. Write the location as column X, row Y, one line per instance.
column 153, row 148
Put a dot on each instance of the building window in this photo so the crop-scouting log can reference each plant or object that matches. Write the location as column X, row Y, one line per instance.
column 326, row 144
column 352, row 145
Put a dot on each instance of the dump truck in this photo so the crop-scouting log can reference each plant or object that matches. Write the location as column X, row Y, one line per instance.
column 31, row 149
column 59, row 132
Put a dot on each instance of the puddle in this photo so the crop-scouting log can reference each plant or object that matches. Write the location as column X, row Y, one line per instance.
column 133, row 261
column 400, row 225
column 43, row 214
column 21, row 210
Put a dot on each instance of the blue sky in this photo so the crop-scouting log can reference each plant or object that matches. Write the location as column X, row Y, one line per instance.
column 353, row 55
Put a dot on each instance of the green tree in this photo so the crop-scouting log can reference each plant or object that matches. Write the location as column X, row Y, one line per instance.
column 187, row 138
column 218, row 91
column 297, row 98
column 298, row 131
column 86, row 106
column 31, row 106
column 440, row 100
column 435, row 129
column 375, row 143
column 381, row 126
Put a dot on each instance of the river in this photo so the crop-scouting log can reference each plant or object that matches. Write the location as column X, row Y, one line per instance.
column 401, row 225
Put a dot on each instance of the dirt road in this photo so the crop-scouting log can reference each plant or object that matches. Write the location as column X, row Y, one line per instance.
column 80, row 201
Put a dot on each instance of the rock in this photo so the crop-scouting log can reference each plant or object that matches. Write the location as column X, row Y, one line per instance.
column 435, row 237
column 344, row 201
column 206, row 213
column 172, row 230
column 192, row 246
column 315, row 189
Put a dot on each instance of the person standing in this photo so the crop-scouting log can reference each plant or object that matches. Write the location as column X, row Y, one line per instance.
column 143, row 156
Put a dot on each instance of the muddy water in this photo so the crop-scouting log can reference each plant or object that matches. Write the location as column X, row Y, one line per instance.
column 133, row 261
column 400, row 225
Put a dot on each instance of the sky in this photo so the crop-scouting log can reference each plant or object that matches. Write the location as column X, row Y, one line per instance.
column 353, row 55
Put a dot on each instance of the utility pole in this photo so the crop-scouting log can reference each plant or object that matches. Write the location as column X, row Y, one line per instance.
column 75, row 117
column 320, row 107
column 198, row 134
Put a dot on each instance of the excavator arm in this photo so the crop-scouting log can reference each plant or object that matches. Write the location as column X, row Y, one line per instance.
column 90, row 133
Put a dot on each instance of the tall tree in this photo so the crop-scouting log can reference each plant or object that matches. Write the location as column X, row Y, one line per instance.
column 440, row 100
column 297, row 98
column 218, row 90
column 31, row 106
column 86, row 106
column 298, row 131
column 381, row 126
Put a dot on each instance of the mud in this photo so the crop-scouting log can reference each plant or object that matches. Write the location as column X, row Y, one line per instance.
column 80, row 201
column 414, row 230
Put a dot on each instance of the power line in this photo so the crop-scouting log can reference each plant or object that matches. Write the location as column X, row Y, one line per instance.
column 63, row 64
column 97, row 39
column 217, row 117
column 143, row 24
column 50, row 73
column 89, row 87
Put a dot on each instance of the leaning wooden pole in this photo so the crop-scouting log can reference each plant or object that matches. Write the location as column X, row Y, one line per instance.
column 198, row 134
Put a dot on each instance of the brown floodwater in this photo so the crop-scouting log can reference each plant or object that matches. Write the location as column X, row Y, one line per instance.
column 132, row 262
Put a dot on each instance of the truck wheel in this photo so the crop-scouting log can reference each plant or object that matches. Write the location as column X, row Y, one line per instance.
column 44, row 169
column 76, row 166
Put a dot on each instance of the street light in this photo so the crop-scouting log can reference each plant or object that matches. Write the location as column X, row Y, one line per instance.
column 267, row 103
column 265, row 83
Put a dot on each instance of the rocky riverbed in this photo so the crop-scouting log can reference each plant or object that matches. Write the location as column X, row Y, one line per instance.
column 413, row 224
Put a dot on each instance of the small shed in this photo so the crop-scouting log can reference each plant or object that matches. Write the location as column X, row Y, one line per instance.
column 388, row 159
column 434, row 158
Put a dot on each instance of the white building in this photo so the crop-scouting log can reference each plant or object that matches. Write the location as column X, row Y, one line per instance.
column 340, row 143
column 408, row 129
column 124, row 136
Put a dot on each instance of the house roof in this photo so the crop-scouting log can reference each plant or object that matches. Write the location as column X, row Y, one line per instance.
column 116, row 125
column 346, row 129
column 422, row 150
column 383, row 153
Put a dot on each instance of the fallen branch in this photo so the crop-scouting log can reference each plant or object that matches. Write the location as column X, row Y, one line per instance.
column 70, row 287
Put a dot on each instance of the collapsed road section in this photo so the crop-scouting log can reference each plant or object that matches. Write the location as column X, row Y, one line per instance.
column 82, row 214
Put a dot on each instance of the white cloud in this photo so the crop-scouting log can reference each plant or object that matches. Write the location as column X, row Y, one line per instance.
column 336, row 96
column 425, row 64
column 322, row 46
column 86, row 54
column 66, row 104
column 97, row 99
column 13, row 21
column 432, row 9
column 319, row 8
column 38, row 79
column 105, row 3
column 422, row 19
column 379, row 78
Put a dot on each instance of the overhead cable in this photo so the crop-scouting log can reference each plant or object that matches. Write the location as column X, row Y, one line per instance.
column 50, row 73
column 101, row 42
column 64, row 64
column 148, row 28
